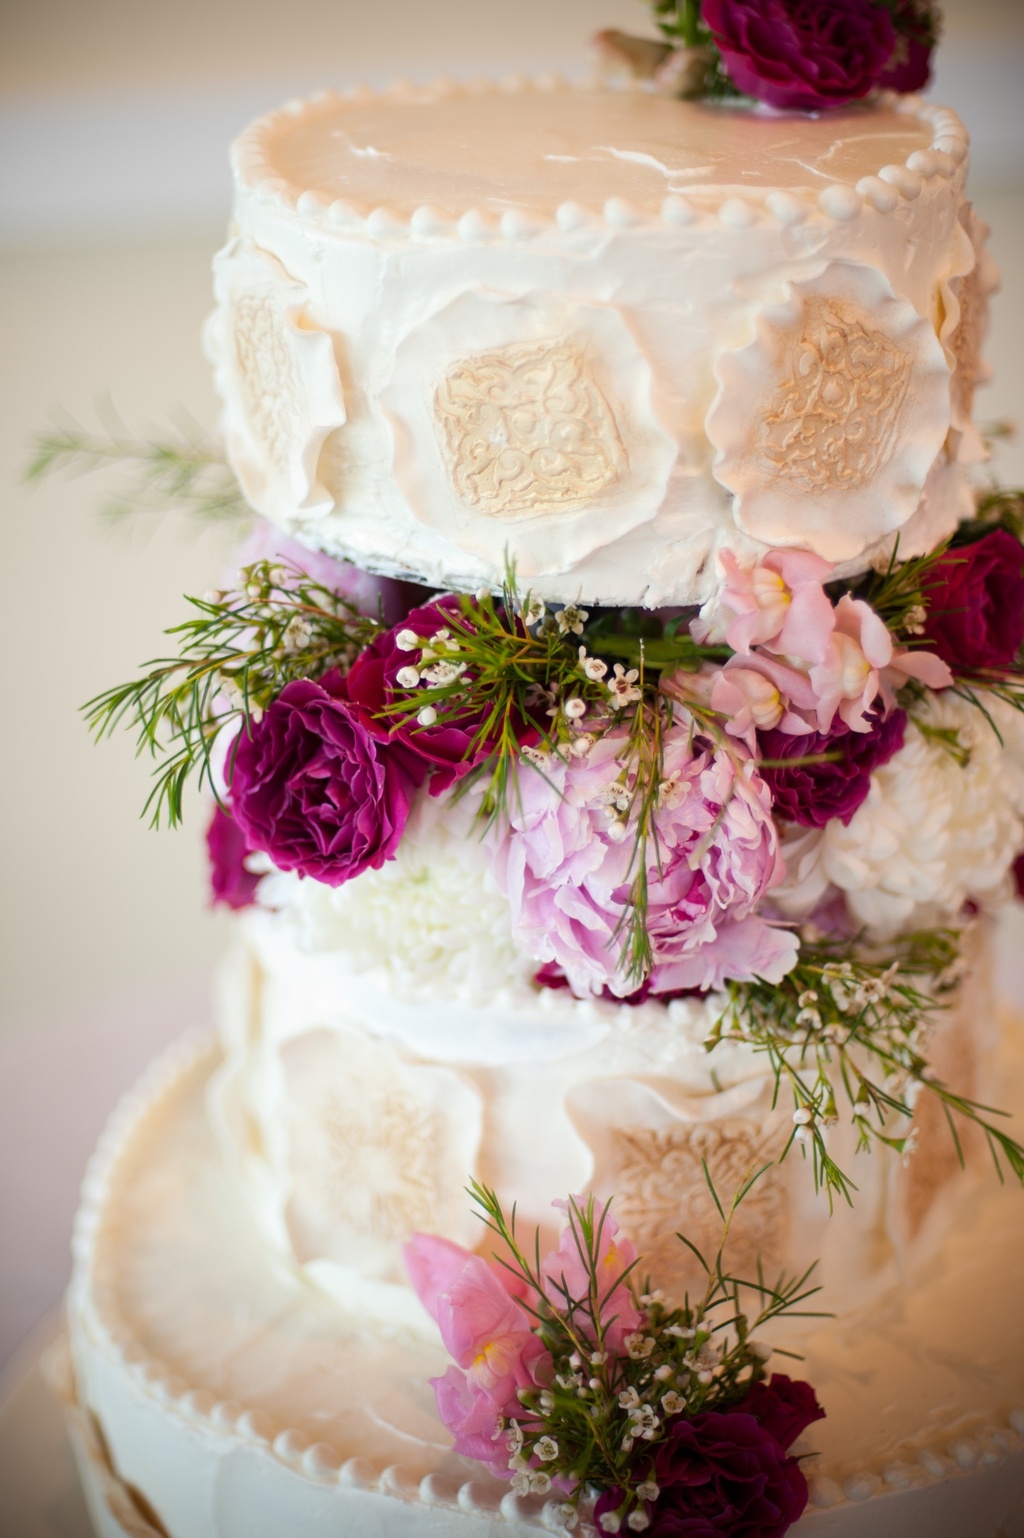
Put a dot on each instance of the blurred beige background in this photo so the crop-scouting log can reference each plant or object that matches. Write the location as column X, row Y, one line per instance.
column 114, row 122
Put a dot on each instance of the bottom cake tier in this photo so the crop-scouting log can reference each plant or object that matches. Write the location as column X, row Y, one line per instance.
column 214, row 1393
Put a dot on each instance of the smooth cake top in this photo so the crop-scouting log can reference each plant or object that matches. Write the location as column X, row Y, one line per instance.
column 534, row 149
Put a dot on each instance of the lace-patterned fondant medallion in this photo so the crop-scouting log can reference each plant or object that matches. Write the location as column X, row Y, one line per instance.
column 834, row 417
column 829, row 419
column 380, row 1168
column 526, row 430
column 277, row 375
column 271, row 388
column 966, row 342
column 660, row 1189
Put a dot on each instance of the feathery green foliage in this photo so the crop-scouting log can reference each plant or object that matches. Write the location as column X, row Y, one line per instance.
column 605, row 1409
column 186, row 473
column 235, row 655
column 845, row 1033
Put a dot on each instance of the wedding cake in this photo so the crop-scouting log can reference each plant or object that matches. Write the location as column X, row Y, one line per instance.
column 617, row 741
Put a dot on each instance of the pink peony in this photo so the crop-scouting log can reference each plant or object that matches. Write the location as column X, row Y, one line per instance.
column 566, row 867
column 564, row 1272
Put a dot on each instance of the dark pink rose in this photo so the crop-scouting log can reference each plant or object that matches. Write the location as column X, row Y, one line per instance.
column 720, row 1475
column 975, row 600
column 230, row 882
column 1018, row 875
column 783, row 1406
column 802, row 54
column 446, row 748
column 917, row 28
column 317, row 792
column 812, row 794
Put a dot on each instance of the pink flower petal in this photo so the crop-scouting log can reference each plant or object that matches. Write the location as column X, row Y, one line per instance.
column 434, row 1266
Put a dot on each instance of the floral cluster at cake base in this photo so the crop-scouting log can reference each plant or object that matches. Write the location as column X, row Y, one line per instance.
column 576, row 1378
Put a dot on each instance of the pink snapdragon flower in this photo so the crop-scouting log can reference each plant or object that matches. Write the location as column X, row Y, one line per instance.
column 799, row 661
column 488, row 1333
column 567, row 867
column 781, row 601
column 846, row 680
column 564, row 1271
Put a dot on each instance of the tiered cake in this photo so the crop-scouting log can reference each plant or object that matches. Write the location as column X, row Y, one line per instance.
column 619, row 353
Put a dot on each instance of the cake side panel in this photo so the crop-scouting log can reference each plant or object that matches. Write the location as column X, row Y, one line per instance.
column 577, row 393
column 357, row 1114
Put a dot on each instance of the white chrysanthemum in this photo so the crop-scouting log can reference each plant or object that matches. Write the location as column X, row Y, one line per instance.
column 932, row 833
column 432, row 917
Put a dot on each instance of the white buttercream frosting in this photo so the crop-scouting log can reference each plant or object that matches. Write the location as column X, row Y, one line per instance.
column 535, row 298
column 233, row 1403
column 347, row 1102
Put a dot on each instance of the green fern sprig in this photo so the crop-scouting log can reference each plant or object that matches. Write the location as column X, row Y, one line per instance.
column 187, row 473
column 846, row 1028
column 683, row 1359
column 235, row 655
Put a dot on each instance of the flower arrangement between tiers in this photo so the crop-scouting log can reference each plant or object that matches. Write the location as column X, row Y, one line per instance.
column 796, row 55
column 791, row 802
column 575, row 1378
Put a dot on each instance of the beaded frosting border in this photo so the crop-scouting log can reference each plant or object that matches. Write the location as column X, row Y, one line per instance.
column 92, row 1292
column 838, row 203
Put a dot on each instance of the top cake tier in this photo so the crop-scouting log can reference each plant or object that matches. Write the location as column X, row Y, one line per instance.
column 599, row 335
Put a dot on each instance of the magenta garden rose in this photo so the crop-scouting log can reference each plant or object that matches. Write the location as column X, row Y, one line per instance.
column 784, row 1406
column 802, row 54
column 917, row 30
column 566, row 867
column 317, row 792
column 975, row 599
column 231, row 883
column 403, row 659
column 811, row 794
column 728, row 1473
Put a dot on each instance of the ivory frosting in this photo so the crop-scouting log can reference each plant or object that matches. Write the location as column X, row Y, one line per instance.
column 553, row 311
column 599, row 337
column 355, row 1106
column 213, row 1395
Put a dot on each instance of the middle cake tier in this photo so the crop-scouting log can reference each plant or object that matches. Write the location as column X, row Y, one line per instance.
column 357, row 1107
